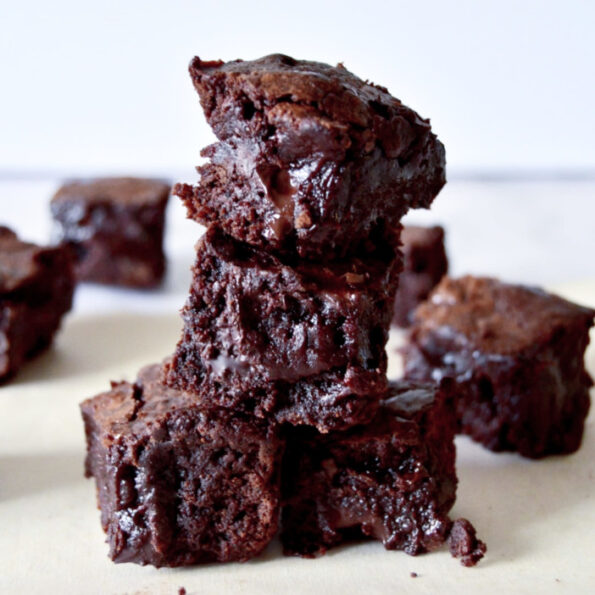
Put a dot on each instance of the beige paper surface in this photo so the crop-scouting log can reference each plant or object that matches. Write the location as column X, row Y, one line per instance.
column 538, row 518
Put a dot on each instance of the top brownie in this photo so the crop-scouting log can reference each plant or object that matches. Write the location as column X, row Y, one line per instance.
column 312, row 158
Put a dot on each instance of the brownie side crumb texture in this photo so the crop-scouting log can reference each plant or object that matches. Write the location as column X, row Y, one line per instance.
column 312, row 159
column 36, row 289
column 517, row 355
column 302, row 343
column 424, row 264
column 393, row 480
column 464, row 544
column 177, row 484
column 115, row 228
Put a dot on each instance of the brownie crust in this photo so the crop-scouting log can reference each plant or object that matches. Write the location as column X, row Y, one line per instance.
column 517, row 355
column 178, row 484
column 114, row 226
column 36, row 288
column 311, row 160
column 424, row 264
column 301, row 343
column 392, row 480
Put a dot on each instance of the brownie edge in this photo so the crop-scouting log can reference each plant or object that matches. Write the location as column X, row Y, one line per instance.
column 178, row 485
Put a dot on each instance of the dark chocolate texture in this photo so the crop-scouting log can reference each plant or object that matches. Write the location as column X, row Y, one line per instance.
column 36, row 289
column 517, row 355
column 464, row 544
column 178, row 484
column 424, row 264
column 114, row 227
column 392, row 480
column 311, row 160
column 302, row 343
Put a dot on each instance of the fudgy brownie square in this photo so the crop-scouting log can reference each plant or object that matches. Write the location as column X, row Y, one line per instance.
column 393, row 480
column 115, row 228
column 312, row 159
column 36, row 288
column 178, row 484
column 517, row 355
column 301, row 343
column 424, row 264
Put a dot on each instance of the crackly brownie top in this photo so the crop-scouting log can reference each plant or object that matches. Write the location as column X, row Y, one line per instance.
column 119, row 191
column 139, row 409
column 495, row 317
column 19, row 261
column 241, row 97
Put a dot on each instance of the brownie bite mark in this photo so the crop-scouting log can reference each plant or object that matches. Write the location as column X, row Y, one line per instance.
column 177, row 484
column 312, row 159
column 517, row 355
column 290, row 341
column 36, row 288
column 115, row 228
column 424, row 264
column 393, row 480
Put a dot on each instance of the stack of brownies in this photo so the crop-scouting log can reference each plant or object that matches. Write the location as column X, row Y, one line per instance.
column 277, row 396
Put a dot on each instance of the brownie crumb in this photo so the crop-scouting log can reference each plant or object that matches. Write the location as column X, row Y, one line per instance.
column 413, row 574
column 181, row 591
column 463, row 543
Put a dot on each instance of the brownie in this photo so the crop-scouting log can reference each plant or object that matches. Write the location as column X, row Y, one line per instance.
column 301, row 343
column 36, row 288
column 464, row 544
column 311, row 160
column 424, row 264
column 393, row 480
column 517, row 355
column 178, row 484
column 115, row 229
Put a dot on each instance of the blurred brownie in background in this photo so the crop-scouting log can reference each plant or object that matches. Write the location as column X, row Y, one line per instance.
column 424, row 264
column 36, row 287
column 115, row 228
column 517, row 356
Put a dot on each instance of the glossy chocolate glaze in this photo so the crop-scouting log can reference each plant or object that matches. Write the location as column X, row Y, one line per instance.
column 176, row 484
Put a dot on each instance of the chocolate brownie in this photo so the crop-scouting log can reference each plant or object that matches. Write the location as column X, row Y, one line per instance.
column 177, row 484
column 115, row 229
column 392, row 480
column 36, row 288
column 302, row 343
column 312, row 159
column 517, row 355
column 424, row 264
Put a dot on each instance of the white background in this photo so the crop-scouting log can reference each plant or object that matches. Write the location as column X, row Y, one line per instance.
column 99, row 87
